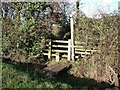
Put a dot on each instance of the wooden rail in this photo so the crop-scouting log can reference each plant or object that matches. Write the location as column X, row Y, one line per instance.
column 60, row 41
column 62, row 48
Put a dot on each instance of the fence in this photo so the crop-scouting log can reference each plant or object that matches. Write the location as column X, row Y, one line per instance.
column 63, row 49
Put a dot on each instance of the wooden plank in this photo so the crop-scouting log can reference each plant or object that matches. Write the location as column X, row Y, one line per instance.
column 60, row 41
column 51, row 54
column 88, row 50
column 60, row 67
column 77, row 46
column 65, row 56
column 45, row 53
column 82, row 52
column 62, row 46
column 60, row 51
column 56, row 68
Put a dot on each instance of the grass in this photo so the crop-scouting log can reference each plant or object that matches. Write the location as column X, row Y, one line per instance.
column 14, row 78
column 15, row 75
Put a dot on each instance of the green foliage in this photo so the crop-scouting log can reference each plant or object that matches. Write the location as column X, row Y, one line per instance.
column 101, row 34
column 13, row 78
column 19, row 76
column 22, row 38
column 26, row 39
column 7, row 43
column 33, row 40
column 26, row 27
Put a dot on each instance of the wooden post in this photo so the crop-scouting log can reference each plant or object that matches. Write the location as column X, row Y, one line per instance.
column 50, row 49
column 57, row 57
column 72, row 37
column 69, row 51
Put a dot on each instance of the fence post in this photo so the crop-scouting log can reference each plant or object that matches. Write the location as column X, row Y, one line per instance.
column 57, row 57
column 50, row 49
column 69, row 47
column 72, row 38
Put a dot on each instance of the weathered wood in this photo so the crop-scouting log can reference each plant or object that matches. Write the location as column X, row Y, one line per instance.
column 87, row 53
column 62, row 46
column 60, row 51
column 47, row 54
column 53, row 70
column 69, row 50
column 82, row 49
column 77, row 46
column 72, row 38
column 66, row 56
column 60, row 41
column 57, row 56
column 50, row 50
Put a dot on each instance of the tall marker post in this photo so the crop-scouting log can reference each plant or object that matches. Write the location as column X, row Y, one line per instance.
column 72, row 37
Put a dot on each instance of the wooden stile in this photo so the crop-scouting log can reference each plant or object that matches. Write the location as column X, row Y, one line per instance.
column 66, row 49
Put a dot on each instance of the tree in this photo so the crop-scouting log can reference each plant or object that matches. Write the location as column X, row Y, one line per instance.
column 26, row 26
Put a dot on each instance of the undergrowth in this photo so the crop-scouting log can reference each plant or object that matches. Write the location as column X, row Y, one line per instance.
column 15, row 75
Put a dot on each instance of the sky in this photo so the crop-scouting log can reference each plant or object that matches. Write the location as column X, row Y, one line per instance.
column 89, row 7
column 92, row 7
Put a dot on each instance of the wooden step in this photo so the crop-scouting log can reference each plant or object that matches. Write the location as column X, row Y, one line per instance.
column 54, row 69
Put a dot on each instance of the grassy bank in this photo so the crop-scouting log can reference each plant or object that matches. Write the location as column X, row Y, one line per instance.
column 15, row 75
